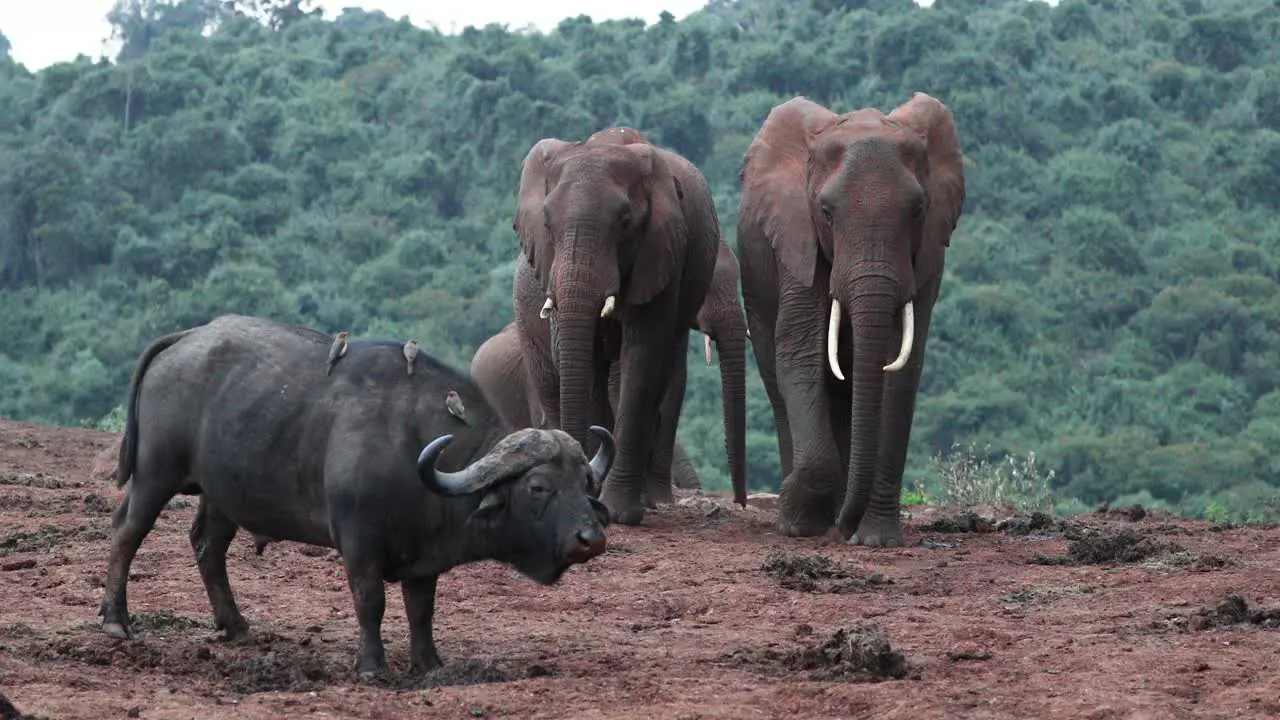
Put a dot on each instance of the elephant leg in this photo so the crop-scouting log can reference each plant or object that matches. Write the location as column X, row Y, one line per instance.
column 683, row 474
column 658, row 488
column 880, row 524
column 760, row 300
column 648, row 359
column 812, row 491
column 764, row 349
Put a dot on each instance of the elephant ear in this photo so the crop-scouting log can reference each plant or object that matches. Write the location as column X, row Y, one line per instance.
column 774, row 180
column 933, row 122
column 660, row 250
column 530, row 223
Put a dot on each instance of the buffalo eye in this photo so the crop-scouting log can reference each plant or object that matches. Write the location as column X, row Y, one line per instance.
column 537, row 487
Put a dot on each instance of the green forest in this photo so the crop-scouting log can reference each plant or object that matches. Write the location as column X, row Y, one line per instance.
column 1110, row 302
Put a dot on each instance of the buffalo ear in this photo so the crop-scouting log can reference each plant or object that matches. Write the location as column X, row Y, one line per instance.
column 660, row 250
column 944, row 186
column 530, row 223
column 490, row 506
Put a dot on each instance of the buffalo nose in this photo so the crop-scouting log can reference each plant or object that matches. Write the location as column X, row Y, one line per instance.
column 590, row 543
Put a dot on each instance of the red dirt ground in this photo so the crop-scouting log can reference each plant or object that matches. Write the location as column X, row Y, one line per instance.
column 676, row 620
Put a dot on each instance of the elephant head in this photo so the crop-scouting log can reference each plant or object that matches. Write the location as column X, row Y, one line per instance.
column 862, row 207
column 722, row 320
column 601, row 223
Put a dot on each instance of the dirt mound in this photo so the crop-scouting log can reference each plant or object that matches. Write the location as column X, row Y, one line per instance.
column 1234, row 611
column 1043, row 524
column 816, row 573
column 47, row 537
column 285, row 670
column 1133, row 513
column 1128, row 547
column 962, row 522
column 858, row 653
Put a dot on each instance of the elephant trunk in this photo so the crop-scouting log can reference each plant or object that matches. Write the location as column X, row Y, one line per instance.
column 873, row 301
column 581, row 295
column 732, row 347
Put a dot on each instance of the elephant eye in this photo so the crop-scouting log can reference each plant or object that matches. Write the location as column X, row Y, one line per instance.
column 624, row 218
column 917, row 212
column 826, row 213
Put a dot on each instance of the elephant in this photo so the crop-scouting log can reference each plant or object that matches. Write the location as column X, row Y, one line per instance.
column 498, row 368
column 846, row 214
column 619, row 246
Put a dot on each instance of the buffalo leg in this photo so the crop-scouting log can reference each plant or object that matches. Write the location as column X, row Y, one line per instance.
column 211, row 536
column 364, row 576
column 419, row 606
column 138, row 513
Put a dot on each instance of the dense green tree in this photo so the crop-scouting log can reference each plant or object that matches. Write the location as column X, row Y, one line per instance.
column 1110, row 302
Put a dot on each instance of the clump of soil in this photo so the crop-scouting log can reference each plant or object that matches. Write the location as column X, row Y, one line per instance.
column 9, row 712
column 46, row 538
column 95, row 504
column 282, row 672
column 964, row 522
column 1134, row 512
column 37, row 480
column 472, row 672
column 1234, row 611
column 816, row 573
column 1040, row 523
column 856, row 654
column 1125, row 546
column 163, row 622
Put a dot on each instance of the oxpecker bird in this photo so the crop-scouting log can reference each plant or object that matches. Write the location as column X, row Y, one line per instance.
column 410, row 353
column 454, row 403
column 337, row 350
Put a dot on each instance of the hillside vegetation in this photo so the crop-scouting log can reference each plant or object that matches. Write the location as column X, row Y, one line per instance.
column 1110, row 303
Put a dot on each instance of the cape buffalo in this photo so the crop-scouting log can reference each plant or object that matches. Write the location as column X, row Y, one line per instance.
column 242, row 413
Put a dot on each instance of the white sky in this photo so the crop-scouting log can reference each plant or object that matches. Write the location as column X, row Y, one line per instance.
column 43, row 32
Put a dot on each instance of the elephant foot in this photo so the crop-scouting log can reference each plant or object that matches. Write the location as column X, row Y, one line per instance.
column 659, row 493
column 625, row 506
column 802, row 512
column 878, row 532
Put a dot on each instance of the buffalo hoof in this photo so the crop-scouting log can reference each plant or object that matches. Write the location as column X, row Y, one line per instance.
column 878, row 533
column 116, row 630
column 425, row 665
column 235, row 633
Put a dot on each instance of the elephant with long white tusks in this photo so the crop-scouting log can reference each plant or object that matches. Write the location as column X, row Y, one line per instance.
column 843, row 227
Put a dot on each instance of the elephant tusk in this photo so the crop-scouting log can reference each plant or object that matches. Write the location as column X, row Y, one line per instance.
column 908, row 337
column 706, row 344
column 608, row 307
column 833, row 339
column 547, row 307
